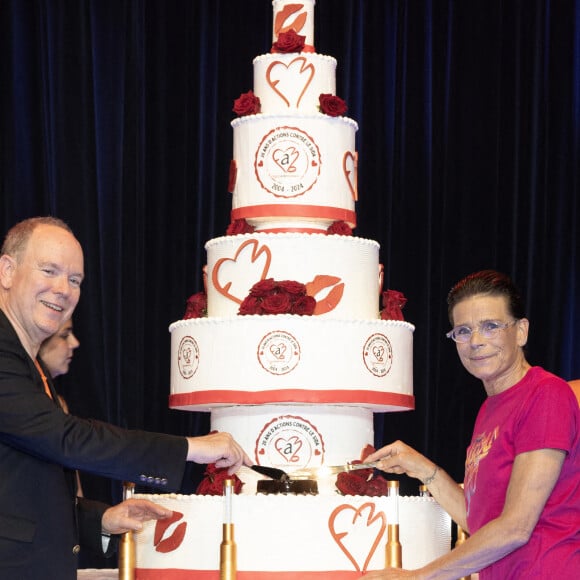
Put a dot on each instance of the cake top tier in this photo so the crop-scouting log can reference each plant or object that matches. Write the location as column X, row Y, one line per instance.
column 297, row 16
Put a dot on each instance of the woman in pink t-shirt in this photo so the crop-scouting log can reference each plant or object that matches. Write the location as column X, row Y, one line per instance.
column 521, row 502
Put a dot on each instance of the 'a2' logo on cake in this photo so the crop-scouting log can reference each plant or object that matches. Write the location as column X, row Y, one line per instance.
column 290, row 441
column 378, row 355
column 287, row 162
column 187, row 357
column 279, row 352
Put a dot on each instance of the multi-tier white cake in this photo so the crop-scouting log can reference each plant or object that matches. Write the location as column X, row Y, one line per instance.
column 296, row 391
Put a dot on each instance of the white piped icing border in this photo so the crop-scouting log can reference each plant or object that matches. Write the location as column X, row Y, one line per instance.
column 216, row 321
column 273, row 56
column 291, row 236
column 293, row 119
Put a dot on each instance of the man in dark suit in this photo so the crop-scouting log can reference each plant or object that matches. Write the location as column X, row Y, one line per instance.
column 42, row 522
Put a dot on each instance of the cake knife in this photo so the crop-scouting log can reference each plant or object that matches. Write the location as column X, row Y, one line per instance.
column 272, row 472
column 325, row 470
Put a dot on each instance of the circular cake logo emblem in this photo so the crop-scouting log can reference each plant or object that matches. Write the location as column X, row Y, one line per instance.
column 279, row 352
column 378, row 355
column 187, row 357
column 290, row 441
column 287, row 162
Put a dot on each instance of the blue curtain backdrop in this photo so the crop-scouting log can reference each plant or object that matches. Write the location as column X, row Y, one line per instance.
column 115, row 116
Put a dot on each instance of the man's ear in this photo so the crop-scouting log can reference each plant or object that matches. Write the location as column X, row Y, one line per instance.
column 7, row 269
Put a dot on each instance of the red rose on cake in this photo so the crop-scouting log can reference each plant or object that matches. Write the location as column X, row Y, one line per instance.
column 362, row 481
column 289, row 42
column 304, row 305
column 348, row 483
column 292, row 287
column 393, row 302
column 251, row 305
column 276, row 304
column 239, row 227
column 263, row 288
column 377, row 486
column 247, row 104
column 213, row 481
column 332, row 105
column 273, row 297
column 196, row 306
column 339, row 228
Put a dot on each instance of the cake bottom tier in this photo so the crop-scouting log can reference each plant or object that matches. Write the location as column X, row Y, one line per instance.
column 289, row 537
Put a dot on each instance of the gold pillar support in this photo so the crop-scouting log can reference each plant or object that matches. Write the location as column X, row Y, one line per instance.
column 228, row 548
column 127, row 543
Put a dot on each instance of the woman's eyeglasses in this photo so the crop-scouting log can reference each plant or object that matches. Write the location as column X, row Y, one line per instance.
column 487, row 329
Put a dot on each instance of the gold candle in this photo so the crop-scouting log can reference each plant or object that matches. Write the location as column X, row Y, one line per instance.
column 228, row 552
column 462, row 535
column 127, row 544
column 394, row 550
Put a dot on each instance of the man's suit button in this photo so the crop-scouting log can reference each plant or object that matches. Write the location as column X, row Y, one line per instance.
column 76, row 549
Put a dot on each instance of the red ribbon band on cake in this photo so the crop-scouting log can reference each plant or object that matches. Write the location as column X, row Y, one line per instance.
column 342, row 396
column 295, row 211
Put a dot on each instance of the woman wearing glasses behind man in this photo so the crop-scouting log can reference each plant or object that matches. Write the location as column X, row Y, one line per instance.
column 521, row 502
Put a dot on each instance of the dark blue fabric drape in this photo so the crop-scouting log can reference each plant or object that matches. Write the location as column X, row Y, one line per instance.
column 114, row 115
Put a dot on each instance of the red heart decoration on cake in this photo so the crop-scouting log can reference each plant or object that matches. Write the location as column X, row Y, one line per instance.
column 286, row 159
column 288, row 448
column 348, row 520
column 350, row 169
column 256, row 252
column 290, row 80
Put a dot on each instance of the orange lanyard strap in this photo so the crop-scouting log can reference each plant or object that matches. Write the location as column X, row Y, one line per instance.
column 44, row 380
